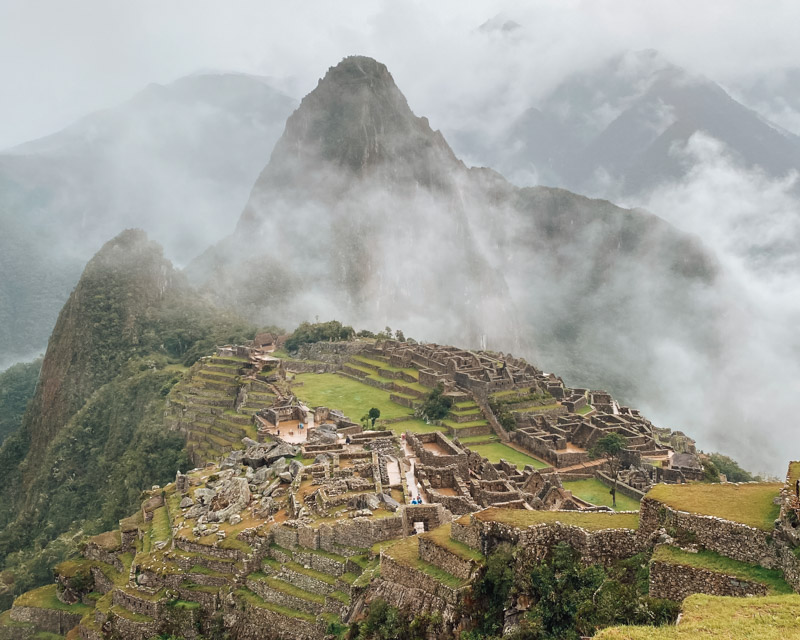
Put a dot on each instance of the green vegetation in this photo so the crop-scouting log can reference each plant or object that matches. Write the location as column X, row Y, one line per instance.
column 568, row 599
column 750, row 504
column 308, row 333
column 594, row 491
column 584, row 410
column 497, row 450
column 436, row 406
column 414, row 426
column 610, row 448
column 722, row 618
column 728, row 466
column 345, row 394
column 441, row 536
column 591, row 521
column 17, row 384
column 46, row 598
column 384, row 622
column 256, row 601
column 406, row 551
column 711, row 561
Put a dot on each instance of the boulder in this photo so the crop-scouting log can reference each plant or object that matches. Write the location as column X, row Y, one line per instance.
column 258, row 455
column 295, row 467
column 260, row 476
column 232, row 496
column 321, row 458
column 205, row 496
column 279, row 466
column 186, row 502
column 286, row 477
column 235, row 519
column 249, row 442
column 281, row 451
column 390, row 503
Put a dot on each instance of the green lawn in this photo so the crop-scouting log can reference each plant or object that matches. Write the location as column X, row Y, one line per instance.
column 496, row 450
column 597, row 493
column 45, row 598
column 353, row 398
column 722, row 618
column 589, row 520
column 584, row 410
column 750, row 504
column 414, row 426
column 711, row 561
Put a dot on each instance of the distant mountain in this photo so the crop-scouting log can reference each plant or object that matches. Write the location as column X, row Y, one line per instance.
column 775, row 95
column 176, row 160
column 365, row 214
column 613, row 130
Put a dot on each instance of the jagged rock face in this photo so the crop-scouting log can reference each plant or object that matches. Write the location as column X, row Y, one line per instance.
column 99, row 329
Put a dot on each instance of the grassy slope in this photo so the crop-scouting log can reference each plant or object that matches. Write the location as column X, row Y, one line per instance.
column 597, row 493
column 711, row 561
column 723, row 618
column 347, row 395
column 750, row 504
column 590, row 521
column 496, row 450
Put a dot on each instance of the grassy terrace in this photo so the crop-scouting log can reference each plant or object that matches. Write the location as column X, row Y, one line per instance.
column 584, row 410
column 349, row 396
column 594, row 491
column 749, row 504
column 414, row 426
column 288, row 588
column 406, row 552
column 711, row 561
column 45, row 598
column 385, row 365
column 441, row 536
column 256, row 601
column 719, row 618
column 590, row 521
column 494, row 451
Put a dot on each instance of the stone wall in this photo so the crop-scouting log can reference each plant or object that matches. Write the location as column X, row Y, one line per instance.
column 622, row 488
column 257, row 623
column 49, row 620
column 133, row 630
column 676, row 582
column 732, row 539
column 440, row 557
column 402, row 574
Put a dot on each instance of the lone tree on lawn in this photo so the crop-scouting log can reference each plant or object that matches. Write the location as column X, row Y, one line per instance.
column 374, row 414
column 610, row 447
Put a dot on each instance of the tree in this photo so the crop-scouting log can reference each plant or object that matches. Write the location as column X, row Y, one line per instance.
column 374, row 414
column 610, row 447
column 436, row 405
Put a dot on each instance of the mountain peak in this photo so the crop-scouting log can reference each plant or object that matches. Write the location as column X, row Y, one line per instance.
column 357, row 123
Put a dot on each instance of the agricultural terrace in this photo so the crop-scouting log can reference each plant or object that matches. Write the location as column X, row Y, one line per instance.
column 494, row 451
column 722, row 618
column 591, row 521
column 710, row 561
column 749, row 503
column 594, row 491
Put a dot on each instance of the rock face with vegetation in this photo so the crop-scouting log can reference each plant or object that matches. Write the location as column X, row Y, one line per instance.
column 92, row 436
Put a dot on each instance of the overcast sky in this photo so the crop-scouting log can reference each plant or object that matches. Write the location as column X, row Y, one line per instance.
column 60, row 60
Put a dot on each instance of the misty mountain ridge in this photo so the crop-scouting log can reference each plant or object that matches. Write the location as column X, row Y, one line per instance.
column 612, row 131
column 177, row 160
column 365, row 214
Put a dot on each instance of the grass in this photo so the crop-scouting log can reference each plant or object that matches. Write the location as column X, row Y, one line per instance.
column 496, row 450
column 292, row 590
column 771, row 578
column 591, row 521
column 441, row 536
column 256, row 601
column 108, row 541
column 406, row 552
column 414, row 426
column 161, row 529
column 487, row 439
column 584, row 410
column 594, row 491
column 749, row 504
column 45, row 598
column 311, row 573
column 465, row 425
column 353, row 398
column 722, row 618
